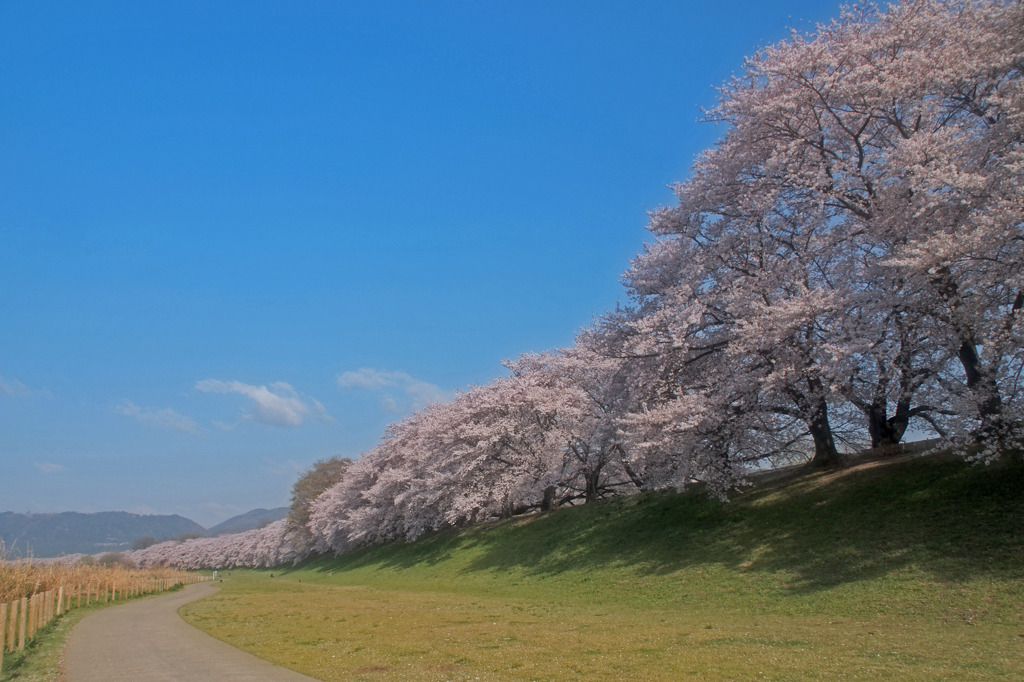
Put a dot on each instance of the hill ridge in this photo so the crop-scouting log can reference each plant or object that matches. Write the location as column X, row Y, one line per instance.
column 53, row 534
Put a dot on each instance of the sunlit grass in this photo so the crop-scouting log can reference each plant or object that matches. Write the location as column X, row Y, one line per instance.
column 911, row 570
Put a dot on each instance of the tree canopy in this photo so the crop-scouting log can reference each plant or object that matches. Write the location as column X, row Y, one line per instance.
column 311, row 484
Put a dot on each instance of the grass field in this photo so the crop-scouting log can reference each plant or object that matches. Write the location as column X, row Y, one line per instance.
column 911, row 569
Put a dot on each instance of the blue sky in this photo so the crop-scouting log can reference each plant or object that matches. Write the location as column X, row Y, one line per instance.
column 236, row 238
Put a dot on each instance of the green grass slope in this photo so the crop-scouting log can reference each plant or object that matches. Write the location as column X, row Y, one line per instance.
column 912, row 568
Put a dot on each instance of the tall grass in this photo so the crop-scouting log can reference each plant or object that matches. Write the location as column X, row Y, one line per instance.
column 24, row 577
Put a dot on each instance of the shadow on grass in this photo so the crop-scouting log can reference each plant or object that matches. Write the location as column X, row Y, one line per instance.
column 936, row 514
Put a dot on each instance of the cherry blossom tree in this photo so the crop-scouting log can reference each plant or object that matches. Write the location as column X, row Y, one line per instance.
column 735, row 311
column 259, row 548
column 487, row 453
column 582, row 390
column 858, row 227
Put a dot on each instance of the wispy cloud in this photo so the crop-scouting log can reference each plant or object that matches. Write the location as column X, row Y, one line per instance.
column 50, row 467
column 396, row 391
column 277, row 404
column 164, row 419
column 13, row 387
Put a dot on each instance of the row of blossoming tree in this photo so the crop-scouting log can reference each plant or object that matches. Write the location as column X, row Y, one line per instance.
column 843, row 266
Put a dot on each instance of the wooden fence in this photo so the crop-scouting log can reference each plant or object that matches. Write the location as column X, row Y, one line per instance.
column 20, row 620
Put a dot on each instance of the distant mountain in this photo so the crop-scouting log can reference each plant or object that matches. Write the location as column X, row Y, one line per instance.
column 249, row 520
column 50, row 535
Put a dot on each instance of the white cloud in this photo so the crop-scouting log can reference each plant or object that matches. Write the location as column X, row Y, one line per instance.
column 165, row 419
column 277, row 405
column 395, row 390
column 369, row 378
column 50, row 467
column 423, row 394
column 320, row 411
column 13, row 387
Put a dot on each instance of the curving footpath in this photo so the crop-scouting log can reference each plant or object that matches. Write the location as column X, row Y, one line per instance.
column 148, row 640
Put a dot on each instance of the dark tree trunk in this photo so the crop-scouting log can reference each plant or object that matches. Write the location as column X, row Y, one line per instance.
column 548, row 502
column 637, row 480
column 592, row 478
column 980, row 379
column 825, row 453
column 983, row 385
column 885, row 430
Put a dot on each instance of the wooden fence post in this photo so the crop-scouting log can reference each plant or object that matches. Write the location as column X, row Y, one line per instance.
column 12, row 626
column 23, row 623
column 60, row 601
column 3, row 632
column 30, row 630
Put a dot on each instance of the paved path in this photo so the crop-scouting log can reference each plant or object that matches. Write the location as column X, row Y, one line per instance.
column 147, row 640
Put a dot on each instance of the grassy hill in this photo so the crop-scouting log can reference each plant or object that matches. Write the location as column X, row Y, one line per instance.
column 911, row 568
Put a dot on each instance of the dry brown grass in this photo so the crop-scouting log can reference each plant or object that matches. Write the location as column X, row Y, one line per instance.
column 24, row 577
